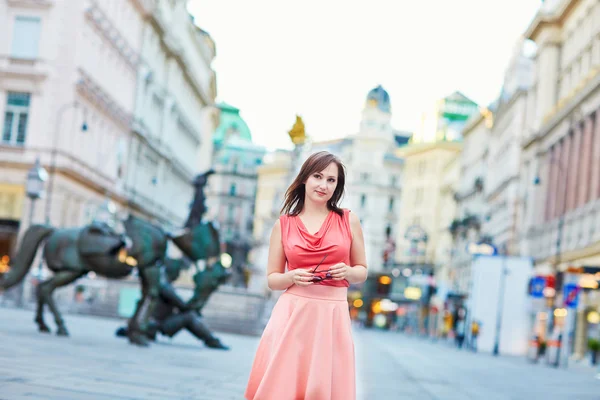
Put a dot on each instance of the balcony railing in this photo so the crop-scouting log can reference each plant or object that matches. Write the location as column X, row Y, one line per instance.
column 31, row 3
column 581, row 228
column 35, row 69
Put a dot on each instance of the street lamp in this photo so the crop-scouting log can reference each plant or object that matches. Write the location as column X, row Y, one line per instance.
column 84, row 128
column 34, row 188
column 36, row 177
column 106, row 212
column 562, row 176
column 500, row 306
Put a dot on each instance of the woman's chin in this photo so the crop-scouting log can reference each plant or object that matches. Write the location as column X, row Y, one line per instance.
column 319, row 199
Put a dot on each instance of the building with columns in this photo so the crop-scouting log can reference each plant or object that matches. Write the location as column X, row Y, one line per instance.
column 110, row 96
column 432, row 150
column 173, row 118
column 561, row 165
column 471, row 207
column 503, row 170
column 488, row 193
column 450, row 178
column 418, row 229
column 231, row 192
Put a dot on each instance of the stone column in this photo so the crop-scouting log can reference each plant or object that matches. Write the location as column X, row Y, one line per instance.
column 594, row 191
column 585, row 161
column 547, row 73
column 581, row 328
column 540, row 165
column 552, row 159
column 575, row 152
column 564, row 176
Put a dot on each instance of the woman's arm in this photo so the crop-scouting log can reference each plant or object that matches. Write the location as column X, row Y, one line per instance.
column 277, row 278
column 357, row 273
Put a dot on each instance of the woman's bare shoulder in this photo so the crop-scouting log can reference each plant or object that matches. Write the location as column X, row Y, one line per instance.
column 353, row 217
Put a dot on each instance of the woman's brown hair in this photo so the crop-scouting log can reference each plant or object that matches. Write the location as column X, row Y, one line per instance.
column 317, row 162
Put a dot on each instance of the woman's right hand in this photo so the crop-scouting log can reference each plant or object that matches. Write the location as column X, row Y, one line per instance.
column 300, row 277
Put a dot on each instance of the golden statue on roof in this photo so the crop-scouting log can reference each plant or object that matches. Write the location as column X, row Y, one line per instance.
column 297, row 133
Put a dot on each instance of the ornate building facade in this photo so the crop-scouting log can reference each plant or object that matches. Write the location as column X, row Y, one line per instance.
column 110, row 96
column 173, row 118
column 561, row 158
column 233, row 188
column 418, row 230
column 471, row 208
column 502, row 183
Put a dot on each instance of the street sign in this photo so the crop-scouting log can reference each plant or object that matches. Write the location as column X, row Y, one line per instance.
column 481, row 249
column 538, row 284
column 571, row 295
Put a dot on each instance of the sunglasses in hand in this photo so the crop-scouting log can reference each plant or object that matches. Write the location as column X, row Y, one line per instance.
column 318, row 279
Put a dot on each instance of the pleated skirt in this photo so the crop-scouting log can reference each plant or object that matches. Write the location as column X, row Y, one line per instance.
column 306, row 351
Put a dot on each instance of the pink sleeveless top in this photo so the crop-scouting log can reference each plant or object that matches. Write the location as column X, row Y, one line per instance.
column 305, row 250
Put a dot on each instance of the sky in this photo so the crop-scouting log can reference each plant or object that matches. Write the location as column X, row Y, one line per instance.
column 318, row 58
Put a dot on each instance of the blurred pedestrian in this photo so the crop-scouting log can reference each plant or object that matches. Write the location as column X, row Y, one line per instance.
column 475, row 328
column 460, row 329
column 306, row 350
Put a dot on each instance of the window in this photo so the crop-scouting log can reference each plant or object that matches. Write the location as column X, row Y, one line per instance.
column 26, row 37
column 15, row 118
column 393, row 181
column 363, row 200
column 232, row 189
column 391, row 204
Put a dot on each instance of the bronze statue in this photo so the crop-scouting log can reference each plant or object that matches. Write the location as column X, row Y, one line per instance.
column 198, row 207
column 172, row 314
column 72, row 253
column 297, row 133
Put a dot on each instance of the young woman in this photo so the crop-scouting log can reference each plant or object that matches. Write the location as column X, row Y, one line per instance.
column 306, row 351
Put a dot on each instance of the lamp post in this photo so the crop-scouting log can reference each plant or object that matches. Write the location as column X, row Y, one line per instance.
column 562, row 176
column 36, row 178
column 34, row 188
column 55, row 136
column 500, row 306
column 106, row 212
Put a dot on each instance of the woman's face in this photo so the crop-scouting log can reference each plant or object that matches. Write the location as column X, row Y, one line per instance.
column 321, row 185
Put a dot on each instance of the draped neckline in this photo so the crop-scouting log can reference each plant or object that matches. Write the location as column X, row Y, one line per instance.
column 321, row 228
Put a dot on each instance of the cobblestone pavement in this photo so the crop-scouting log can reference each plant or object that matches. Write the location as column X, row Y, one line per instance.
column 94, row 364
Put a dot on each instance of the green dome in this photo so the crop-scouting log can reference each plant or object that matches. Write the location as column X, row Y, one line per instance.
column 230, row 121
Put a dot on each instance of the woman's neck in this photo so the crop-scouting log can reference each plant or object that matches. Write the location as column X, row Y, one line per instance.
column 313, row 208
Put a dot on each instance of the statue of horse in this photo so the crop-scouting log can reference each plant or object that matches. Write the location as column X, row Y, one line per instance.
column 73, row 252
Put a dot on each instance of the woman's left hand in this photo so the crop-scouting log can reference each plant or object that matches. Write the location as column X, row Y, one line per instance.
column 339, row 271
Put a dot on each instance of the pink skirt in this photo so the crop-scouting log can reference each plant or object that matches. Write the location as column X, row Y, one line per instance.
column 306, row 351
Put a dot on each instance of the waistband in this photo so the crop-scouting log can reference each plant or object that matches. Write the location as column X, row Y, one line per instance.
column 320, row 292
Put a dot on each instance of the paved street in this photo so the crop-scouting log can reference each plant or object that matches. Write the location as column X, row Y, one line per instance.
column 93, row 364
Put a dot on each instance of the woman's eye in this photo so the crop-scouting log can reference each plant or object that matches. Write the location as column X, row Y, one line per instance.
column 317, row 176
column 332, row 180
